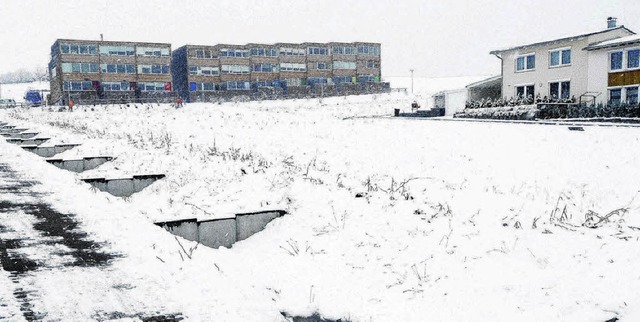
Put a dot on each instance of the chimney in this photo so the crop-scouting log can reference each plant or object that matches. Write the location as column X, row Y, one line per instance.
column 611, row 22
column 102, row 37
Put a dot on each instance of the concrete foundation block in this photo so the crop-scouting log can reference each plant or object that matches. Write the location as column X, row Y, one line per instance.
column 217, row 232
column 64, row 147
column 98, row 183
column 248, row 224
column 185, row 228
column 94, row 162
column 120, row 187
column 142, row 181
column 28, row 135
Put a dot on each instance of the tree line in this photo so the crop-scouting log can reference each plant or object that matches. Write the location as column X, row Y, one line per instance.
column 24, row 75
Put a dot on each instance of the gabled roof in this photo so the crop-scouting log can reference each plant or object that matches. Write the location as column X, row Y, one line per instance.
column 496, row 52
column 622, row 41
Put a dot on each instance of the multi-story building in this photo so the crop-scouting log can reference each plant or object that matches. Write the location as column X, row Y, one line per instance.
column 105, row 71
column 293, row 70
column 595, row 67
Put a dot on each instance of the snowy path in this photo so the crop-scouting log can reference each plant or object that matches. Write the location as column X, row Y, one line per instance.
column 47, row 261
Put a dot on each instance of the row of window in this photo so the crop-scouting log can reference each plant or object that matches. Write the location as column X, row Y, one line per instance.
column 630, row 95
column 204, row 70
column 245, row 85
column 114, row 68
column 631, row 60
column 153, row 69
column 225, row 52
column 274, row 68
column 557, row 58
column 267, row 52
column 265, row 68
column 557, row 90
column 80, row 49
column 114, row 86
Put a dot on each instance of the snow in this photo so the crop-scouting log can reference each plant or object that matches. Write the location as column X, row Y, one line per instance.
column 456, row 220
column 617, row 41
column 17, row 91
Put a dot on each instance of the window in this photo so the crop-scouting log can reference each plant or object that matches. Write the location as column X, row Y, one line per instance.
column 79, row 68
column 204, row 70
column 286, row 51
column 373, row 64
column 615, row 96
column 368, row 50
column 116, row 50
column 318, row 51
column 206, row 87
column 153, row 69
column 237, row 85
column 77, row 86
column 344, row 79
column 154, row 86
column 344, row 64
column 152, row 51
column 368, row 79
column 343, row 50
column 632, row 95
column 293, row 67
column 201, row 53
column 226, row 52
column 78, row 49
column 115, row 86
column 267, row 52
column 526, row 62
column 633, row 58
column 317, row 80
column 265, row 68
column 560, row 90
column 322, row 65
column 295, row 81
column 235, row 69
column 525, row 91
column 118, row 68
column 616, row 60
column 560, row 57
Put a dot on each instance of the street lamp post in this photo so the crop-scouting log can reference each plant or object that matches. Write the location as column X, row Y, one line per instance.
column 411, row 80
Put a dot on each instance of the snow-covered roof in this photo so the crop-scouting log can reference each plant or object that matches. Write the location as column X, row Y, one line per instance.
column 627, row 40
column 499, row 51
column 485, row 81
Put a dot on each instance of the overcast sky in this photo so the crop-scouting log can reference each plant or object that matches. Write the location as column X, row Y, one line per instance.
column 436, row 38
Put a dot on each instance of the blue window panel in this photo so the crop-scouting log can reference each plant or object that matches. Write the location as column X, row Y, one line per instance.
column 566, row 57
column 531, row 62
column 165, row 69
column 193, row 86
column 520, row 63
column 616, row 60
column 555, row 58
column 633, row 58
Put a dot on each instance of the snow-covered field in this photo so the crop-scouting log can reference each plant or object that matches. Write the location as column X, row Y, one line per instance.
column 388, row 219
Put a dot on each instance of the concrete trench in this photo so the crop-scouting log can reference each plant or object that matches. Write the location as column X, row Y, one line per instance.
column 123, row 187
column 49, row 151
column 223, row 232
column 23, row 135
column 31, row 141
column 79, row 165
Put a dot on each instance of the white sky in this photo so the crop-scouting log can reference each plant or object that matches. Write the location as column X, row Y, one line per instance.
column 436, row 38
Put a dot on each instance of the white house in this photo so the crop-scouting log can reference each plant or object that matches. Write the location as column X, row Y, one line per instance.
column 590, row 67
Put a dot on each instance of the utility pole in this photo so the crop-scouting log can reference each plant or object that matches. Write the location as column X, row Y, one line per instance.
column 411, row 80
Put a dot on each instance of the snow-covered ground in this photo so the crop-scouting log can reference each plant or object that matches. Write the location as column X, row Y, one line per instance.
column 389, row 219
column 17, row 91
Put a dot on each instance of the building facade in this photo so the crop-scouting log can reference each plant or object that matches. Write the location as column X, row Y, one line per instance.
column 92, row 71
column 562, row 68
column 203, row 73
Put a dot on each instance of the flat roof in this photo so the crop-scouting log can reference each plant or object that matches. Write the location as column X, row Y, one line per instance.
column 495, row 52
column 109, row 42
